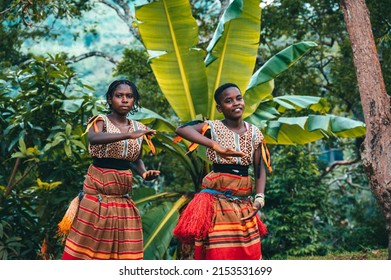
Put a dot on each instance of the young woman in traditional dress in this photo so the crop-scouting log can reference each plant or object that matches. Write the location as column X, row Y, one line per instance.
column 107, row 224
column 222, row 220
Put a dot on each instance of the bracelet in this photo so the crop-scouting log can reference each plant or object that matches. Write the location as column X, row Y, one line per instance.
column 260, row 195
column 261, row 201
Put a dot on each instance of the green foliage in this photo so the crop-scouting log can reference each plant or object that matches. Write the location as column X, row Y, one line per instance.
column 43, row 106
column 355, row 219
column 328, row 70
column 22, row 20
column 43, row 155
column 309, row 214
column 366, row 254
column 295, row 212
column 32, row 12
column 9, row 246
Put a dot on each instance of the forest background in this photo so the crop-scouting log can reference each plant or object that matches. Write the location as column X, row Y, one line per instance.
column 58, row 57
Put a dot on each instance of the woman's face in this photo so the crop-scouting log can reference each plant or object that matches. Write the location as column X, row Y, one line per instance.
column 122, row 100
column 231, row 103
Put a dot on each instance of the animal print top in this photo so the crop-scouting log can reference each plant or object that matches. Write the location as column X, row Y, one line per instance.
column 246, row 142
column 128, row 149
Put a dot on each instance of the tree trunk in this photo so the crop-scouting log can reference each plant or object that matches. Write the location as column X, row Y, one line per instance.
column 376, row 148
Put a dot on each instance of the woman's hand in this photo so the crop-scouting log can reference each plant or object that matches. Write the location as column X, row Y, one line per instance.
column 150, row 175
column 256, row 207
column 227, row 152
column 139, row 133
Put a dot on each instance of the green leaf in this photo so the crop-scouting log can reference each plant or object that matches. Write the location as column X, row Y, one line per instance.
column 160, row 235
column 233, row 49
column 78, row 144
column 154, row 120
column 256, row 91
column 68, row 129
column 72, row 105
column 68, row 150
column 170, row 34
column 298, row 102
column 264, row 113
column 22, row 145
column 281, row 62
column 253, row 97
column 303, row 130
column 18, row 155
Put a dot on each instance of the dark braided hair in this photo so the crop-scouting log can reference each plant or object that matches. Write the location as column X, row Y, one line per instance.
column 136, row 95
column 221, row 88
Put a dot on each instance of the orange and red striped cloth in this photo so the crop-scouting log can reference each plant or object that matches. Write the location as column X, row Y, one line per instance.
column 108, row 224
column 212, row 222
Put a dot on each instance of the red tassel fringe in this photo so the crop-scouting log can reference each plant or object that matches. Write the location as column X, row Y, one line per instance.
column 261, row 227
column 196, row 220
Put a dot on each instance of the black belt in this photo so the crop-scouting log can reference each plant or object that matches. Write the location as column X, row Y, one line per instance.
column 236, row 169
column 111, row 163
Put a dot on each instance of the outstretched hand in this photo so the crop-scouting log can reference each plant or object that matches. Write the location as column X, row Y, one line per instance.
column 139, row 133
column 150, row 175
column 227, row 153
column 256, row 207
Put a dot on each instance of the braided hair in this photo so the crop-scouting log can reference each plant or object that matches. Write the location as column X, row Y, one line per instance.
column 221, row 88
column 136, row 95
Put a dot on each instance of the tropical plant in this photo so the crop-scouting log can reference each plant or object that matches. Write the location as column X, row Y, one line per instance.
column 42, row 110
column 188, row 76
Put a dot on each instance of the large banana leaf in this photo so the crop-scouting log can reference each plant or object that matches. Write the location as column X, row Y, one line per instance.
column 272, row 109
column 158, row 225
column 169, row 31
column 262, row 82
column 233, row 50
column 303, row 130
column 298, row 102
column 153, row 120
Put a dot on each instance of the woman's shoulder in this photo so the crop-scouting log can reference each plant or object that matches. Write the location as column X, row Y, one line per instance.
column 95, row 118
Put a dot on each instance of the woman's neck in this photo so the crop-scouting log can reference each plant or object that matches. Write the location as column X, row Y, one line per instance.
column 118, row 120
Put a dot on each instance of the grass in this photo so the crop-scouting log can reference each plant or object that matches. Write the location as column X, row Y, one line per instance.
column 377, row 254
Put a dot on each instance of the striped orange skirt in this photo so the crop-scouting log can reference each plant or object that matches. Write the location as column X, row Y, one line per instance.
column 108, row 224
column 227, row 237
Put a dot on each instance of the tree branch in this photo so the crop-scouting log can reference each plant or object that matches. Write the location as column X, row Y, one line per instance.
column 124, row 13
column 90, row 54
column 339, row 162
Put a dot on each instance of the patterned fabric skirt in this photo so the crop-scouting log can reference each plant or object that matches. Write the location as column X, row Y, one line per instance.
column 108, row 224
column 228, row 238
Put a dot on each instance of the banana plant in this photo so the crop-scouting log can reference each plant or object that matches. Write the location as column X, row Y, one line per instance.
column 188, row 76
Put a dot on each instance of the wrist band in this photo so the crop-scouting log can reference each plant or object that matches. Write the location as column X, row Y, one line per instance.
column 260, row 200
column 260, row 195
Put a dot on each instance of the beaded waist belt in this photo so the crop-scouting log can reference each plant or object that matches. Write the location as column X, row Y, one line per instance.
column 227, row 194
